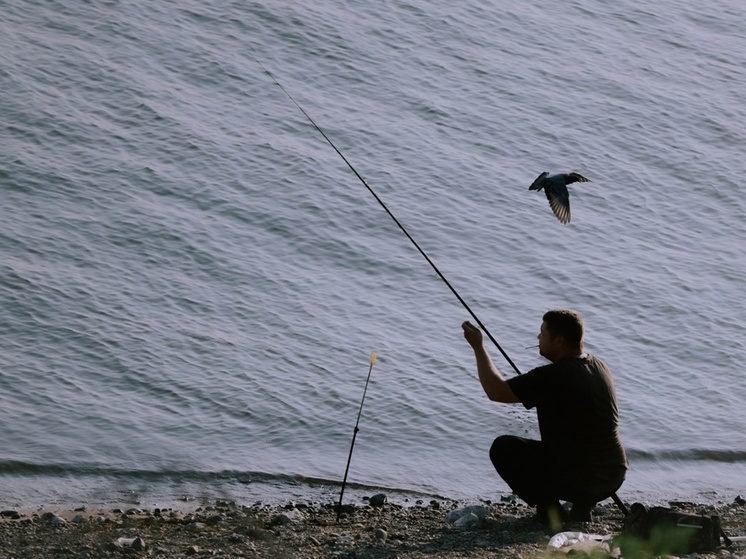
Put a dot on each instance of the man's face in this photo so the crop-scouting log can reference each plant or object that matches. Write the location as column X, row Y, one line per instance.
column 548, row 344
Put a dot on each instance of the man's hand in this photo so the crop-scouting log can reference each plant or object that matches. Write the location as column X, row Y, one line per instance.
column 472, row 334
column 493, row 383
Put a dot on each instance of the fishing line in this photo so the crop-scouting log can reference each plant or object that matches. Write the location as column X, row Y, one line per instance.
column 614, row 497
column 378, row 199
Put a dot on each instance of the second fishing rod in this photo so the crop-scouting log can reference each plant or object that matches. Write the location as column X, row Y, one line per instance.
column 398, row 223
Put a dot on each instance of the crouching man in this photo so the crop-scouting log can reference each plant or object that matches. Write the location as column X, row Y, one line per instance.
column 580, row 457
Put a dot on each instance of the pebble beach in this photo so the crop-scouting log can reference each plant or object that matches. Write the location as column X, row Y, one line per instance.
column 371, row 529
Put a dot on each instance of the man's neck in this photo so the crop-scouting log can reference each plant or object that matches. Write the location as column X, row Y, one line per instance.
column 577, row 353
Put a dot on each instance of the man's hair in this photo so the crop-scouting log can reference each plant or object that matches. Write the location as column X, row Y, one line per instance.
column 567, row 323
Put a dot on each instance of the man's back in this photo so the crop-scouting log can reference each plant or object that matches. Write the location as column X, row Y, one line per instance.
column 577, row 411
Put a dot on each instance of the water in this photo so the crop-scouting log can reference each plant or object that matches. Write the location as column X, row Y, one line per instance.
column 193, row 280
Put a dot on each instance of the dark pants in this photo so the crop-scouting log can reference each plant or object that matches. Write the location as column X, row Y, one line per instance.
column 540, row 478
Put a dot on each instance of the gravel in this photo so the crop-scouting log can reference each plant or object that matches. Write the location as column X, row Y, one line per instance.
column 504, row 530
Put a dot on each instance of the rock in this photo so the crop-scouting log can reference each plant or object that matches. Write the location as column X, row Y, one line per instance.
column 138, row 544
column 739, row 500
column 467, row 521
column 79, row 519
column 463, row 516
column 468, row 517
column 287, row 517
column 600, row 510
column 226, row 505
column 345, row 509
column 344, row 541
column 381, row 534
column 192, row 550
column 378, row 500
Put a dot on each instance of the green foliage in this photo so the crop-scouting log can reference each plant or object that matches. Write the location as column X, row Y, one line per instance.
column 664, row 539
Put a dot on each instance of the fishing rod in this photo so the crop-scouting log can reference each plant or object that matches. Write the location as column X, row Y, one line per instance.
column 378, row 199
column 614, row 497
column 354, row 434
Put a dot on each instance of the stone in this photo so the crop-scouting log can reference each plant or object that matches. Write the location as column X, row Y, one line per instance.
column 600, row 510
column 345, row 541
column 467, row 521
column 138, row 544
column 287, row 517
column 467, row 517
column 378, row 500
column 345, row 509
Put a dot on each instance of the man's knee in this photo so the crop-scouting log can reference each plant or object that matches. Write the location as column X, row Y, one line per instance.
column 503, row 449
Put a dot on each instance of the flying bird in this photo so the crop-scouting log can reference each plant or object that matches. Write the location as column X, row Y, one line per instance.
column 555, row 187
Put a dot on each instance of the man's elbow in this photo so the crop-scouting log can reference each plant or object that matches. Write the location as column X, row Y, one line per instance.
column 503, row 394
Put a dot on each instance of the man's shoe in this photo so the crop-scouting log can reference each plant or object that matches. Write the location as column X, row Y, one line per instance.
column 580, row 512
column 551, row 514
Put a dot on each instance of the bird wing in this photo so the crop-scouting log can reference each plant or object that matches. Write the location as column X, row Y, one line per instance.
column 538, row 184
column 576, row 177
column 559, row 201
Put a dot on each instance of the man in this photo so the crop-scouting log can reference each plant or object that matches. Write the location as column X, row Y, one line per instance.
column 580, row 457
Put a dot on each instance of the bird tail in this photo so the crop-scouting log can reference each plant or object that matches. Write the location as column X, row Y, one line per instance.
column 537, row 184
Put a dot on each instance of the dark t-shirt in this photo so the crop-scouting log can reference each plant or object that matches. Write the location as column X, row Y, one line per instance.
column 577, row 412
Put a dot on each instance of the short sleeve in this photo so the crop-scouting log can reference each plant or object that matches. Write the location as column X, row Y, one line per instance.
column 533, row 387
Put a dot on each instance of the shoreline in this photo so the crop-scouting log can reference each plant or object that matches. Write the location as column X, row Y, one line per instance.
column 368, row 529
column 177, row 490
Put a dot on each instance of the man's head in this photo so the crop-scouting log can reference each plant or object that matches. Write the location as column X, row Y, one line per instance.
column 561, row 334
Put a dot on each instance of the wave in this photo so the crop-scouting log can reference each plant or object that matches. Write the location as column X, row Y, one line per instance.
column 25, row 469
column 694, row 454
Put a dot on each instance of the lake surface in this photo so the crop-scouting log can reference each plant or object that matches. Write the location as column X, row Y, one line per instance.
column 193, row 280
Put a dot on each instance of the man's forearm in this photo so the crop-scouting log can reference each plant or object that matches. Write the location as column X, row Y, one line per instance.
column 492, row 381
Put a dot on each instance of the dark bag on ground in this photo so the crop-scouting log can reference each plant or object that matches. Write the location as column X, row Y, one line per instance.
column 664, row 531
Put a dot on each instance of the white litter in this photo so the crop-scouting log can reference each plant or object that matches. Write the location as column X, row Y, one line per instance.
column 579, row 541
